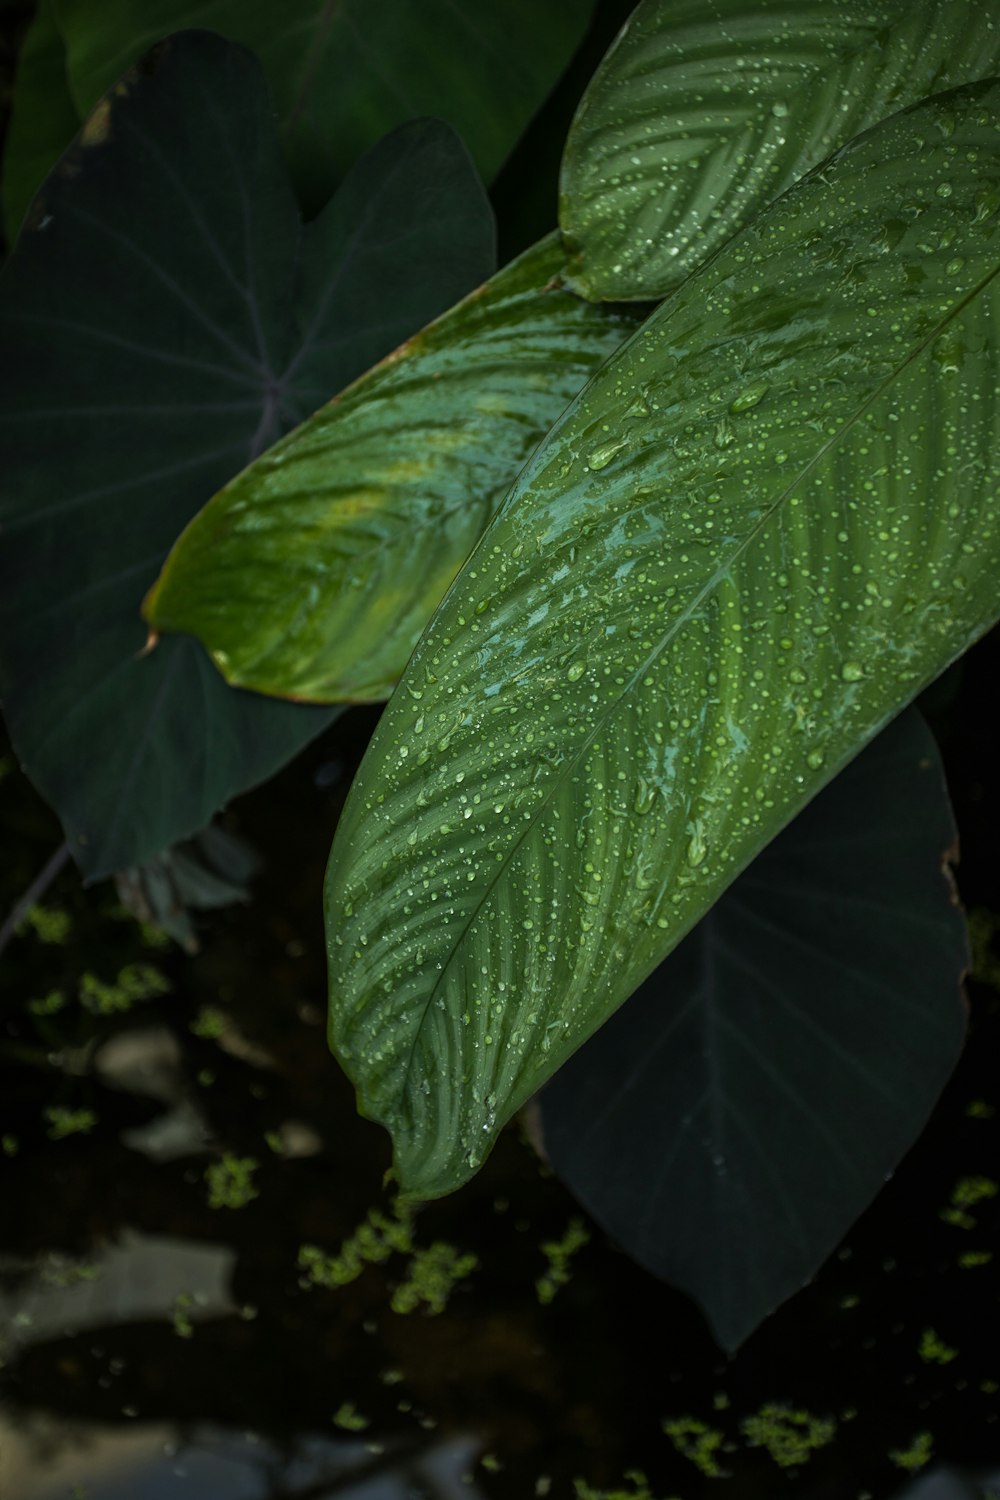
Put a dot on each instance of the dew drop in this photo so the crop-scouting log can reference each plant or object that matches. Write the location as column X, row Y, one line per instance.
column 645, row 796
column 576, row 671
column 600, row 457
column 751, row 397
column 852, row 671
column 697, row 848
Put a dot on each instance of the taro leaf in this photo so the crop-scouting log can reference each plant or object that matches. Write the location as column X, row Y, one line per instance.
column 760, row 529
column 43, row 116
column 738, row 1113
column 313, row 573
column 342, row 75
column 164, row 316
column 702, row 114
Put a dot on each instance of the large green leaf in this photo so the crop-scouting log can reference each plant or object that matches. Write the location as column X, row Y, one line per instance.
column 43, row 116
column 342, row 75
column 702, row 114
column 800, row 1034
column 164, row 316
column 767, row 521
column 313, row 573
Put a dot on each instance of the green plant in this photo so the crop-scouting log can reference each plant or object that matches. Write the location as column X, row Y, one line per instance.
column 649, row 538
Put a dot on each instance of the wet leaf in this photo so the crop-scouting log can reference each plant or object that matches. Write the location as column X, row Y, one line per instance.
column 313, row 573
column 341, row 75
column 799, row 1036
column 762, row 527
column 699, row 116
column 164, row 317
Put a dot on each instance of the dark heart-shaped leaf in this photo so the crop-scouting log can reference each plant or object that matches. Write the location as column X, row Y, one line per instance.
column 700, row 115
column 164, row 317
column 341, row 75
column 742, row 1108
column 313, row 573
column 764, row 525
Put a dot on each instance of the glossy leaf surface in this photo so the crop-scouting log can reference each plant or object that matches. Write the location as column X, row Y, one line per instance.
column 164, row 317
column 341, row 75
column 701, row 115
column 800, row 1035
column 313, row 573
column 768, row 520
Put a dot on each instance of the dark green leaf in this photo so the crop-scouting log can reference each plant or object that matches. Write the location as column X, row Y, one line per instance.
column 164, row 317
column 739, row 1112
column 700, row 115
column 43, row 116
column 763, row 526
column 313, row 573
column 342, row 75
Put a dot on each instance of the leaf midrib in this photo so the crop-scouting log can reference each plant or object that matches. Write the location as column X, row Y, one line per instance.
column 573, row 760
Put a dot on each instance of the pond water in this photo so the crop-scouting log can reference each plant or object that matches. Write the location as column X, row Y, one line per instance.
column 184, row 1179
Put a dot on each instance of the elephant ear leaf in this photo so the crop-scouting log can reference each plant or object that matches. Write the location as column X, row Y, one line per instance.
column 800, row 1034
column 165, row 315
column 770, row 518
column 312, row 574
column 700, row 115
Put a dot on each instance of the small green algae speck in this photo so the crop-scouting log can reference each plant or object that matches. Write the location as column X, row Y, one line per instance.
column 967, row 1192
column 933, row 1349
column 48, row 1005
column 183, row 1326
column 697, row 1442
column 50, row 924
column 788, row 1434
column 433, row 1274
column 349, row 1418
column 919, row 1453
column 639, row 1490
column 64, row 1122
column 971, row 1258
column 559, row 1254
column 230, row 1182
column 135, row 982
column 374, row 1240
column 209, row 1024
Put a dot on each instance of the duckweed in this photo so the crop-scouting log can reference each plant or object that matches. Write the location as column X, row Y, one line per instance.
column 230, row 1182
column 559, row 1254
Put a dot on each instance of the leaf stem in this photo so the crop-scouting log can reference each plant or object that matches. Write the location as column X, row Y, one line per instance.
column 35, row 890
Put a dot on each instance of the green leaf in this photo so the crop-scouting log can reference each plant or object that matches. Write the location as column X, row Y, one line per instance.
column 164, row 316
column 313, row 573
column 699, row 116
column 767, row 521
column 342, row 75
column 800, row 1035
column 43, row 116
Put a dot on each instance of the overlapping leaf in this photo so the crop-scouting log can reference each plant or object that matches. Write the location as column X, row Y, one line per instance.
column 700, row 115
column 341, row 75
column 164, row 317
column 799, row 1035
column 313, row 573
column 768, row 520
